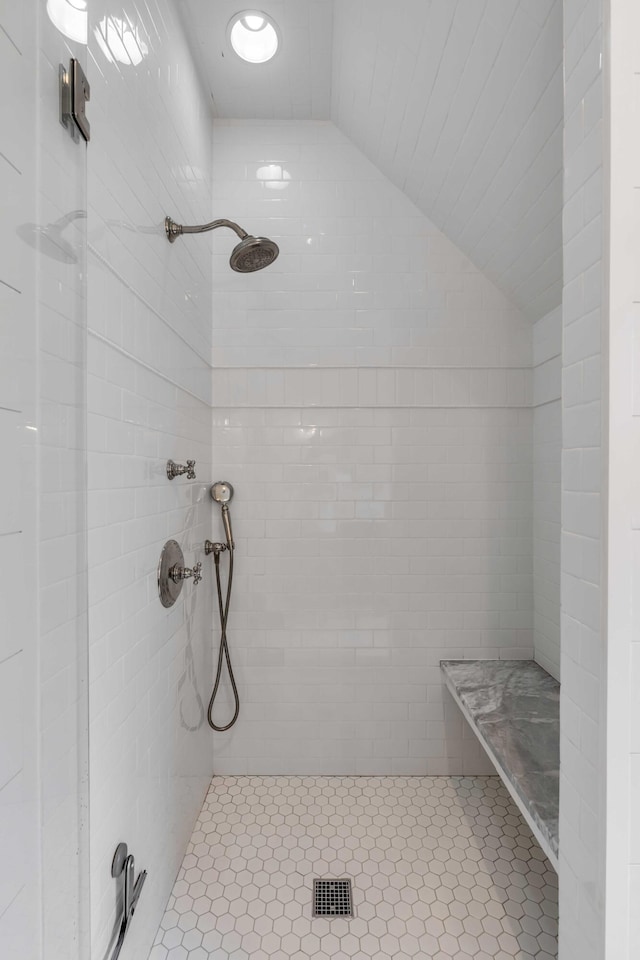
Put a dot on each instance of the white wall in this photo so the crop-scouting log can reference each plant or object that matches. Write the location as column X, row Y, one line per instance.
column 149, row 400
column 582, row 751
column 547, row 451
column 459, row 103
column 623, row 661
column 372, row 408
column 43, row 719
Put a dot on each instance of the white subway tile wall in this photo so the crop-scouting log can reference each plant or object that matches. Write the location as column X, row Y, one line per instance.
column 582, row 750
column 547, row 455
column 19, row 802
column 43, row 517
column 372, row 407
column 149, row 396
column 460, row 105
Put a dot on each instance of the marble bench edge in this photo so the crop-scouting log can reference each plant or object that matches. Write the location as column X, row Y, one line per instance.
column 539, row 833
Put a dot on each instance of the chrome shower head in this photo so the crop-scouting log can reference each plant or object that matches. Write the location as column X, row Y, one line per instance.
column 221, row 492
column 253, row 253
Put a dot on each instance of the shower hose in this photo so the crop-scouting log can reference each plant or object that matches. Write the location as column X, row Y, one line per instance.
column 223, row 652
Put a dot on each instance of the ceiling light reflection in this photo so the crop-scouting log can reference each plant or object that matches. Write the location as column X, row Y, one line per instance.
column 69, row 17
column 120, row 41
column 273, row 171
column 274, row 176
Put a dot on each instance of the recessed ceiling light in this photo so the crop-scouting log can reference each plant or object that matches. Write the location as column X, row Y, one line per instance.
column 254, row 36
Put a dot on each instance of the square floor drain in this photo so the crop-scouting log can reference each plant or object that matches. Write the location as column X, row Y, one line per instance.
column 332, row 898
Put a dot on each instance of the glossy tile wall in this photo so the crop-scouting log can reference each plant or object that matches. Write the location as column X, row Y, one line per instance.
column 149, row 400
column 583, row 730
column 372, row 396
column 547, row 453
column 43, row 716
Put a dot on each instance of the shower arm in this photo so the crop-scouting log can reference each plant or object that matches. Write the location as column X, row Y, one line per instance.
column 175, row 230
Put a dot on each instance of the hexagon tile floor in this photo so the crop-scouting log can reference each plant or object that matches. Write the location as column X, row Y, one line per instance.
column 443, row 868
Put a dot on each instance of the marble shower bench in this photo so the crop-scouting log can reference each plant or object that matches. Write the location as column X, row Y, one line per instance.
column 513, row 707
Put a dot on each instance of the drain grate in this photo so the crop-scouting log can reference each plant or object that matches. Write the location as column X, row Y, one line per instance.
column 332, row 898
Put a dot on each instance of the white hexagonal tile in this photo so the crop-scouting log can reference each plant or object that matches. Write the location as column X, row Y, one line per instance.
column 442, row 867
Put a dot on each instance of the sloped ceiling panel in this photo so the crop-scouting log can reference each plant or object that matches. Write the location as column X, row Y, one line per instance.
column 295, row 85
column 459, row 103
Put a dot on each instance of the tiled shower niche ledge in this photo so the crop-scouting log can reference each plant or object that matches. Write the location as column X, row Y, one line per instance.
column 513, row 707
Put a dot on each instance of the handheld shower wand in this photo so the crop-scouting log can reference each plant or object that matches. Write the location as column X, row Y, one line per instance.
column 222, row 493
column 226, row 520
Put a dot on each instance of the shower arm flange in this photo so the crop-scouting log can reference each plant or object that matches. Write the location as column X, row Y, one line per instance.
column 174, row 230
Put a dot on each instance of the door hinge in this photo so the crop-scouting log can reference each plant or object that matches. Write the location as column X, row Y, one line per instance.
column 74, row 94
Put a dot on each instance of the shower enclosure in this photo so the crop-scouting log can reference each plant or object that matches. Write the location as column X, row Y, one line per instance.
column 390, row 400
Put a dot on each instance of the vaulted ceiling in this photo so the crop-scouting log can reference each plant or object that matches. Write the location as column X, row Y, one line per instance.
column 458, row 102
column 295, row 85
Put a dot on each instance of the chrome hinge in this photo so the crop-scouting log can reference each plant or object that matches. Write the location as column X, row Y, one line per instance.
column 74, row 94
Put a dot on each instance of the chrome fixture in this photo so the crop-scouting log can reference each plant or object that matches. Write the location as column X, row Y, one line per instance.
column 172, row 573
column 178, row 573
column 222, row 493
column 74, row 94
column 215, row 548
column 332, row 898
column 123, row 865
column 251, row 254
column 178, row 469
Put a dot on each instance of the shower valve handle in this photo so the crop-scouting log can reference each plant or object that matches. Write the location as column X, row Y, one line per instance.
column 178, row 469
column 178, row 573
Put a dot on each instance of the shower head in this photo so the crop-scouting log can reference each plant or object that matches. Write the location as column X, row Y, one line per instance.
column 221, row 492
column 251, row 254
